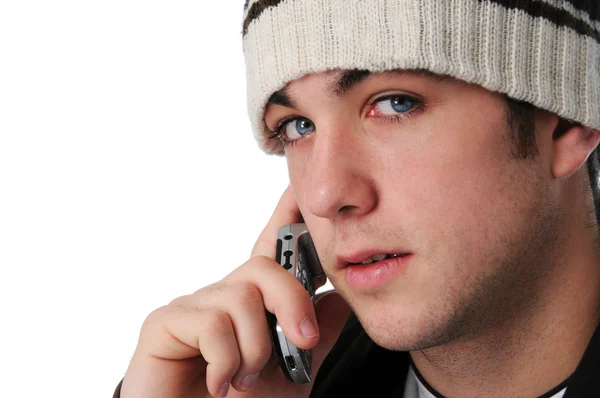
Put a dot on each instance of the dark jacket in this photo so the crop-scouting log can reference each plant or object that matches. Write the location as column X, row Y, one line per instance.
column 357, row 367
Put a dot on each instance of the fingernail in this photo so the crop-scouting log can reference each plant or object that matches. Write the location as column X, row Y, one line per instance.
column 308, row 329
column 249, row 381
column 223, row 390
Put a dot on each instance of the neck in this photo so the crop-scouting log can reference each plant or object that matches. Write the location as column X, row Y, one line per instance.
column 527, row 354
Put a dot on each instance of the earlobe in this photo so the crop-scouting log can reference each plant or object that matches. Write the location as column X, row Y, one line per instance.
column 571, row 149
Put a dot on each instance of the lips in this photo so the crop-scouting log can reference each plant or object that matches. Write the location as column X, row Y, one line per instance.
column 357, row 258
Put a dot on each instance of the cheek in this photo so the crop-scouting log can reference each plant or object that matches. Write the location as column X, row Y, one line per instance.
column 462, row 193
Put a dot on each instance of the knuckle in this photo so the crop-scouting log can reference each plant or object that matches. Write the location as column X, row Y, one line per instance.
column 227, row 363
column 248, row 294
column 256, row 356
column 297, row 304
column 218, row 323
column 262, row 261
column 155, row 316
column 179, row 301
column 299, row 293
column 258, row 263
column 154, row 322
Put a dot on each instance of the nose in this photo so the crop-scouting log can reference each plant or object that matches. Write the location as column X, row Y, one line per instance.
column 340, row 178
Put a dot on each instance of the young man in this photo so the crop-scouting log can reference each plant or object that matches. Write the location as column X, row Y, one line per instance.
column 442, row 154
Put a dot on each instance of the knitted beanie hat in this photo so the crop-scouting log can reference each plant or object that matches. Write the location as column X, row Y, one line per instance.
column 544, row 52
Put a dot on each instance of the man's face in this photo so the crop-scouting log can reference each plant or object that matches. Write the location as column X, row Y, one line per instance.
column 406, row 163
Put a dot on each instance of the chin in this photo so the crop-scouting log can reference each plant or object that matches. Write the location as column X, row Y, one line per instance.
column 403, row 330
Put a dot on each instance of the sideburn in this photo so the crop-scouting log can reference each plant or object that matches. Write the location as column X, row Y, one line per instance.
column 521, row 120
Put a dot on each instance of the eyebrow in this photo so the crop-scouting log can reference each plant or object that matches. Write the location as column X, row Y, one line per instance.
column 350, row 79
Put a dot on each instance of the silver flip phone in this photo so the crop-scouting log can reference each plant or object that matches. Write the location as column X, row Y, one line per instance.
column 296, row 253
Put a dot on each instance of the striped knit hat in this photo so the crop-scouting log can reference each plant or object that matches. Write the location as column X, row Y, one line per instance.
column 545, row 52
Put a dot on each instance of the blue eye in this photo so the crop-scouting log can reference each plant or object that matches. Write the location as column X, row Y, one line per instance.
column 395, row 104
column 297, row 128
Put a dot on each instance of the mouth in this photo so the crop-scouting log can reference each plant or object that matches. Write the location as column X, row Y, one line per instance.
column 361, row 259
column 375, row 271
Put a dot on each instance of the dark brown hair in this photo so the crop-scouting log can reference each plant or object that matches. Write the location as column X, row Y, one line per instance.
column 521, row 119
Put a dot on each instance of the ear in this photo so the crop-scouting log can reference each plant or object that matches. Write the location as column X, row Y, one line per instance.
column 571, row 148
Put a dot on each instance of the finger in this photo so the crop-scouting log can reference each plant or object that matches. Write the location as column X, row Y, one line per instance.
column 219, row 347
column 286, row 212
column 177, row 332
column 247, row 313
column 284, row 297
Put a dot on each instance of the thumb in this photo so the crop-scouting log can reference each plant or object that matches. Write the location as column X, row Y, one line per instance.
column 332, row 313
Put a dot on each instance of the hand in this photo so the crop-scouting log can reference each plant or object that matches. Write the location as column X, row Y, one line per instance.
column 202, row 344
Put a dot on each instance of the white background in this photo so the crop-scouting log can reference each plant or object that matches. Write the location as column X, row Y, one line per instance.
column 128, row 176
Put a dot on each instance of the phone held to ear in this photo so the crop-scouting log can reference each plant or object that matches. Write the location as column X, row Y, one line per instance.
column 296, row 253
